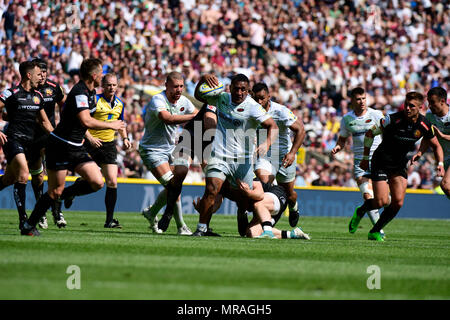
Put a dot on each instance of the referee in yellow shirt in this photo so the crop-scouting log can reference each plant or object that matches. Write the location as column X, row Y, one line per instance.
column 101, row 144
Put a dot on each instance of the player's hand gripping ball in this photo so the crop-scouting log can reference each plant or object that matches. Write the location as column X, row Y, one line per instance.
column 206, row 91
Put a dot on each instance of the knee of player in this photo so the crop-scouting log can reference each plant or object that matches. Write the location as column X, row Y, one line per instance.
column 445, row 186
column 55, row 193
column 97, row 184
column 111, row 184
column 22, row 177
column 396, row 204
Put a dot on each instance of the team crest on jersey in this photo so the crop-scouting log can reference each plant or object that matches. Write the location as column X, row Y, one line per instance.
column 368, row 120
column 240, row 109
column 36, row 100
column 182, row 109
column 417, row 133
column 48, row 92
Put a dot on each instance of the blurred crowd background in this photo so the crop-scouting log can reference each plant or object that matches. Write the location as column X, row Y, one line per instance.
column 310, row 54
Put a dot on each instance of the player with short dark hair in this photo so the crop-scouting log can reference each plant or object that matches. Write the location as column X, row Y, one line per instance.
column 439, row 116
column 23, row 104
column 238, row 116
column 401, row 130
column 52, row 94
column 280, row 161
column 65, row 150
column 102, row 146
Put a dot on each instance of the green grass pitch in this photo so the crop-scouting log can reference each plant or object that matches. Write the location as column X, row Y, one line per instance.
column 133, row 263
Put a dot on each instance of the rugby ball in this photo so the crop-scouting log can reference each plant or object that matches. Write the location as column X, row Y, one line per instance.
column 206, row 91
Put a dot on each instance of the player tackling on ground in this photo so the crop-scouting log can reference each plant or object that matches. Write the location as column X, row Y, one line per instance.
column 401, row 130
column 356, row 123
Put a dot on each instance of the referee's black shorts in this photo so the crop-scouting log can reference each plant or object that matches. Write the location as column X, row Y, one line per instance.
column 60, row 155
column 106, row 154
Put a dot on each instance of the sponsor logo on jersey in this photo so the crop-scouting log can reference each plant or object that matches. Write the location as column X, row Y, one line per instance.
column 36, row 100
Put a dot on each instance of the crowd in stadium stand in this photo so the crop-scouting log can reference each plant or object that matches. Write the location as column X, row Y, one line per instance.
column 310, row 54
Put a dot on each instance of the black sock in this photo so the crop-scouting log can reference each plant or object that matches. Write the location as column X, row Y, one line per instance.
column 38, row 190
column 367, row 206
column 41, row 207
column 2, row 186
column 173, row 192
column 110, row 203
column 56, row 206
column 19, row 198
column 284, row 234
column 79, row 188
column 386, row 216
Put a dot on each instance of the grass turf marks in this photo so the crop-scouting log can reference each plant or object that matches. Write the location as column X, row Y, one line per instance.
column 133, row 263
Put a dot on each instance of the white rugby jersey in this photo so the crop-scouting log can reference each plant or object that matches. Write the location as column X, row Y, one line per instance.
column 443, row 124
column 284, row 118
column 236, row 126
column 357, row 128
column 159, row 136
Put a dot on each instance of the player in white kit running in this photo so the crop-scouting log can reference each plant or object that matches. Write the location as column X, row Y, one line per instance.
column 163, row 114
column 439, row 116
column 238, row 116
column 356, row 123
column 279, row 162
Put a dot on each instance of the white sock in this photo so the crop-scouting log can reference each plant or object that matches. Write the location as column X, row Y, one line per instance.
column 202, row 227
column 288, row 234
column 267, row 228
column 374, row 215
column 160, row 202
column 273, row 221
column 294, row 208
column 178, row 214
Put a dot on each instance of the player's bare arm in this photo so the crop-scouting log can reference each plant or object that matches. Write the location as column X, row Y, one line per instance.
column 368, row 141
column 340, row 144
column 3, row 138
column 441, row 135
column 172, row 119
column 44, row 122
column 299, row 136
column 95, row 142
column 91, row 123
column 255, row 194
column 272, row 133
column 439, row 156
